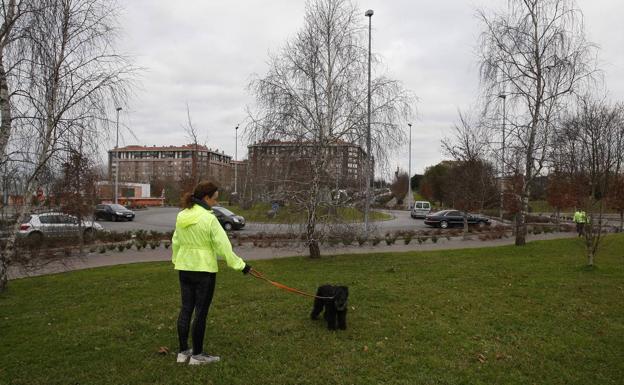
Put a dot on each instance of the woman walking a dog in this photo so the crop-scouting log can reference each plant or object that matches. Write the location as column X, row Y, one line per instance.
column 197, row 240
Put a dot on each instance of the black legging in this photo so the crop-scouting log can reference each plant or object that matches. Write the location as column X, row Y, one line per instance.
column 197, row 289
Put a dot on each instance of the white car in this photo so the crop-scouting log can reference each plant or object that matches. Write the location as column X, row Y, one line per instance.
column 421, row 209
column 35, row 227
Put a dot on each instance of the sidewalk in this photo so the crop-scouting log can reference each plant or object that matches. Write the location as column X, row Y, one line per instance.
column 250, row 253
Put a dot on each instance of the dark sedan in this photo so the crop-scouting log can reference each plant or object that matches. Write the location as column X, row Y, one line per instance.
column 449, row 218
column 113, row 212
column 228, row 219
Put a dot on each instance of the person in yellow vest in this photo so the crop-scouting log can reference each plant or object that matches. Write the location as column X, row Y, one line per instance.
column 580, row 218
column 197, row 241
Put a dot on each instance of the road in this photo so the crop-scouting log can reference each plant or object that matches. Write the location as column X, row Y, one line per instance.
column 163, row 219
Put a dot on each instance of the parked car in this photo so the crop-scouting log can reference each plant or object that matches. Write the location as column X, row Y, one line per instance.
column 421, row 209
column 449, row 218
column 35, row 227
column 112, row 212
column 228, row 219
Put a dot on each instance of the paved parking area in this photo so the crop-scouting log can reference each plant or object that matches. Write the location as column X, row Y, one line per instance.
column 163, row 219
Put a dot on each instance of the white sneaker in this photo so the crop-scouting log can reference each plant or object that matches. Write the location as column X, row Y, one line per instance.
column 183, row 356
column 201, row 359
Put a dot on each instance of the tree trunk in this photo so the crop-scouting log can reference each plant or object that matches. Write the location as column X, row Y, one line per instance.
column 521, row 227
column 313, row 200
column 5, row 111
column 4, row 267
column 465, row 226
column 9, row 248
column 590, row 257
column 315, row 251
column 5, row 105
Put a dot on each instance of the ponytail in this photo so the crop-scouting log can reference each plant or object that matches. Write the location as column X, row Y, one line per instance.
column 187, row 200
column 203, row 188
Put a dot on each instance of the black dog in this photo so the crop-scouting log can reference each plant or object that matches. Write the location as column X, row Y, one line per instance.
column 335, row 306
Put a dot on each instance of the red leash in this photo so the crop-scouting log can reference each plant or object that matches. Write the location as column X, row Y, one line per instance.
column 259, row 275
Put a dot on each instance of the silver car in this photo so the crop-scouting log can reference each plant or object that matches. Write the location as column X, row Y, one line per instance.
column 35, row 227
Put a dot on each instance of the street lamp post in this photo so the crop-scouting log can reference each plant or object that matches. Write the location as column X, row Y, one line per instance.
column 368, row 14
column 410, row 196
column 236, row 163
column 117, row 159
column 502, row 180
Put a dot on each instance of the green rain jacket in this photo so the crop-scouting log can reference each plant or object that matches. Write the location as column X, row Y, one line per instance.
column 198, row 240
column 580, row 217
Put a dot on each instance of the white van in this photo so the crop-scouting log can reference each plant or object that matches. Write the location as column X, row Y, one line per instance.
column 421, row 209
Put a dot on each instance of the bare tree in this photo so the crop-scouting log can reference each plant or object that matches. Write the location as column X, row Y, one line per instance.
column 590, row 141
column 71, row 80
column 399, row 186
column 192, row 135
column 616, row 198
column 535, row 53
column 470, row 140
column 11, row 12
column 470, row 179
column 76, row 188
column 315, row 92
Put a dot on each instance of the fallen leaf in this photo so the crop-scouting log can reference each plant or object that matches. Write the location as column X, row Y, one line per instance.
column 163, row 350
column 481, row 358
column 365, row 348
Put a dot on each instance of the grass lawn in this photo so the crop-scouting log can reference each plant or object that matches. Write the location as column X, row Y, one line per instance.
column 508, row 315
column 542, row 206
column 258, row 213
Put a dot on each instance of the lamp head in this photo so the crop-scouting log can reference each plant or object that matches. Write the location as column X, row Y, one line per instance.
column 369, row 13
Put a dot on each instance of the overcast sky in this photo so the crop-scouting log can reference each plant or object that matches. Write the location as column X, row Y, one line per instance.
column 204, row 52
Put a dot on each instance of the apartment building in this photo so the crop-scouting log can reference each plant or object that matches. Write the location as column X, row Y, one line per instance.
column 280, row 166
column 144, row 164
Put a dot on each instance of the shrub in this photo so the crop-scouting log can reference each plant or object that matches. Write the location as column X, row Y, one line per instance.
column 434, row 238
column 421, row 239
column 102, row 249
column 167, row 244
column 407, row 237
column 361, row 240
column 121, row 247
column 375, row 241
column 111, row 246
column 333, row 241
column 128, row 245
column 347, row 239
column 390, row 239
